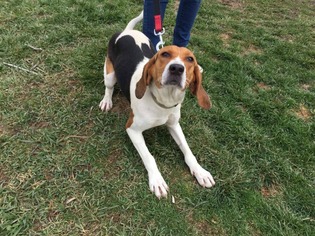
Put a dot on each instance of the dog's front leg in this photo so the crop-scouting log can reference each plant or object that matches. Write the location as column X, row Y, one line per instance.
column 156, row 182
column 203, row 176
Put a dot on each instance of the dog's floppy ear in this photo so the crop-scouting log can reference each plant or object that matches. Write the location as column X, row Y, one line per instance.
column 145, row 79
column 197, row 90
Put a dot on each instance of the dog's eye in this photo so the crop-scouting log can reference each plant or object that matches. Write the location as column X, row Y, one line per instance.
column 190, row 59
column 165, row 54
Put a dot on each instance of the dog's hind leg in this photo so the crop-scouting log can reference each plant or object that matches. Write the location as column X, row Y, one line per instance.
column 109, row 80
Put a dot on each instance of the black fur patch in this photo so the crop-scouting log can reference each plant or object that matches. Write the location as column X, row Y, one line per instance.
column 148, row 51
column 125, row 56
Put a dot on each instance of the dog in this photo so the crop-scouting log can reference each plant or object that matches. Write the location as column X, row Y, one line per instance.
column 155, row 84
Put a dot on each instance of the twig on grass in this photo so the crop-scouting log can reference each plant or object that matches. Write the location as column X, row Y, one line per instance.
column 34, row 66
column 37, row 68
column 70, row 200
column 19, row 68
column 34, row 48
column 78, row 136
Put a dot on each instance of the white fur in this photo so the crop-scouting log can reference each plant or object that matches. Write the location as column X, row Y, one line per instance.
column 131, row 25
column 139, row 37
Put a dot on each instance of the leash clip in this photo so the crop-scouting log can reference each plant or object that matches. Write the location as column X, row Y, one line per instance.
column 160, row 44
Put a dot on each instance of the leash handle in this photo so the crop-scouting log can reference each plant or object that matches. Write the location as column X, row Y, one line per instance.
column 157, row 16
column 158, row 23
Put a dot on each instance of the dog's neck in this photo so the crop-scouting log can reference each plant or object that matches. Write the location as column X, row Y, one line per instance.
column 167, row 97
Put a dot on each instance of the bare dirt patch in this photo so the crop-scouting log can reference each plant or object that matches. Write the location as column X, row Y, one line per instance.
column 40, row 125
column 5, row 130
column 263, row 86
column 205, row 227
column 120, row 104
column 176, row 6
column 111, row 165
column 225, row 37
column 251, row 49
column 4, row 179
column 287, row 38
column 303, row 113
column 306, row 87
column 270, row 191
column 234, row 4
column 2, row 131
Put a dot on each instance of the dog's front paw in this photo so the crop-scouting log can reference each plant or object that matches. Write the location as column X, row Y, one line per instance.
column 106, row 104
column 203, row 176
column 157, row 185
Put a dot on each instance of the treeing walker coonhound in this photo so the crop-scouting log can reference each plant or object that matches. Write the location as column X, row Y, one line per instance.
column 155, row 85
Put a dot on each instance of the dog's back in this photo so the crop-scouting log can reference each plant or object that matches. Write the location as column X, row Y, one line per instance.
column 126, row 50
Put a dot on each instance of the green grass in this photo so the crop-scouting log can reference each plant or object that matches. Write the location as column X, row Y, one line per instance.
column 68, row 169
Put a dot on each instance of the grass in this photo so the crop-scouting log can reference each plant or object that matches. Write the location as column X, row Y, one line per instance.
column 68, row 169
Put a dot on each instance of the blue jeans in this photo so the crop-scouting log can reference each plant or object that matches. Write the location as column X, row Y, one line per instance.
column 186, row 15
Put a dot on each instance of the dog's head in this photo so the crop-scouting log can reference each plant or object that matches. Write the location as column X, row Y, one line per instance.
column 174, row 66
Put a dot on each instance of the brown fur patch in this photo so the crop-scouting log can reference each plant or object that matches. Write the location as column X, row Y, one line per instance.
column 109, row 66
column 147, row 75
column 130, row 120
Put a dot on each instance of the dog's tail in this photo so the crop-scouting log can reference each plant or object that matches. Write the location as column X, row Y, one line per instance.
column 134, row 21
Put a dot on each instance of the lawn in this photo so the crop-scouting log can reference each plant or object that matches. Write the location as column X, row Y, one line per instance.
column 66, row 168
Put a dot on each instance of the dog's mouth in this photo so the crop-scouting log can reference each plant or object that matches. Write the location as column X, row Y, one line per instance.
column 174, row 80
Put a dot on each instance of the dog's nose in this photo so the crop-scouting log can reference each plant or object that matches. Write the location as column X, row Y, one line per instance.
column 176, row 69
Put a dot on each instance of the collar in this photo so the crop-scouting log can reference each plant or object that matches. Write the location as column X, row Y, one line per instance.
column 160, row 104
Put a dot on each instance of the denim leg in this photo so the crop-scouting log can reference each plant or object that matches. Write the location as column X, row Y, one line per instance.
column 148, row 19
column 187, row 13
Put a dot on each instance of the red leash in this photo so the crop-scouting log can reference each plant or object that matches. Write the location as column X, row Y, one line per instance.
column 158, row 27
column 157, row 16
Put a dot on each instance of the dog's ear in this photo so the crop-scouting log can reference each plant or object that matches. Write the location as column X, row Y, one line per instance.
column 146, row 78
column 197, row 90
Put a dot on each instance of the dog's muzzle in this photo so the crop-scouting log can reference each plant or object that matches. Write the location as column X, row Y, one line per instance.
column 175, row 77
